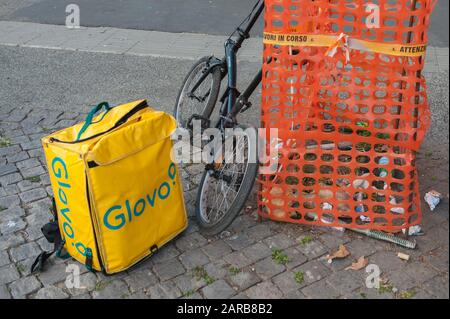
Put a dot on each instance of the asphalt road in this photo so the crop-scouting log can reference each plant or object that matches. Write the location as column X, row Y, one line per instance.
column 217, row 17
column 68, row 80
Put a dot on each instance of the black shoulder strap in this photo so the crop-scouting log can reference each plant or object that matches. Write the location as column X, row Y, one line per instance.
column 53, row 235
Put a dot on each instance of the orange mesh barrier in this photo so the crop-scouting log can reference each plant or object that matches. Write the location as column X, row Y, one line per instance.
column 350, row 105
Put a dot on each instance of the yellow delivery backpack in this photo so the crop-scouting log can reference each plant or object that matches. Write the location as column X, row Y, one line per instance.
column 117, row 193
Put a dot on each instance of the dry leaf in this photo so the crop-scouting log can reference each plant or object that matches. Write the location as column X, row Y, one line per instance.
column 359, row 264
column 342, row 252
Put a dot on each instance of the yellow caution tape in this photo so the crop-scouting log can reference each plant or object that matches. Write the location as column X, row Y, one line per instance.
column 321, row 40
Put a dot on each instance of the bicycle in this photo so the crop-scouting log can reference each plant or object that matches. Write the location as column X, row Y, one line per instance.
column 197, row 98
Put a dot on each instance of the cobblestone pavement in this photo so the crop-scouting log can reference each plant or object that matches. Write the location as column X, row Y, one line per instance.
column 240, row 263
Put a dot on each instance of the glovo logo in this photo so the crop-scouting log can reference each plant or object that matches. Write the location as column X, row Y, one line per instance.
column 118, row 216
column 59, row 170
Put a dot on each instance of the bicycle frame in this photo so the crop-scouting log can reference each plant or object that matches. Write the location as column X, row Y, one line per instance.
column 235, row 101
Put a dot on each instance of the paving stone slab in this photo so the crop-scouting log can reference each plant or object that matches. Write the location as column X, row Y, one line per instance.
column 139, row 279
column 188, row 283
column 17, row 157
column 286, row 282
column 25, row 251
column 332, row 239
column 344, row 281
column 27, row 185
column 24, row 286
column 191, row 241
column 11, row 213
column 11, row 189
column 258, row 232
column 295, row 294
column 4, row 292
column 28, row 163
column 9, row 150
column 437, row 286
column 168, row 270
column 55, row 273
column 217, row 269
column 87, row 282
column 239, row 241
column 312, row 249
column 7, row 169
column 420, row 272
column 267, row 268
column 387, row 261
column 4, row 258
column 257, row 252
column 312, row 271
column 217, row 249
column 237, row 259
column 164, row 254
column 32, row 172
column 8, row 274
column 51, row 292
column 296, row 257
column 244, row 279
column 279, row 241
column 33, row 195
column 193, row 258
column 9, row 201
column 165, row 290
column 12, row 240
column 264, row 290
column 115, row 289
column 218, row 290
column 12, row 226
column 320, row 290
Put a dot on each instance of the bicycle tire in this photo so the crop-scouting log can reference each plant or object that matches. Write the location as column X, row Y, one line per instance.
column 237, row 205
column 214, row 94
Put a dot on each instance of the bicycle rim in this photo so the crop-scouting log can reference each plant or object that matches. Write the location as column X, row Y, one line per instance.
column 188, row 106
column 219, row 198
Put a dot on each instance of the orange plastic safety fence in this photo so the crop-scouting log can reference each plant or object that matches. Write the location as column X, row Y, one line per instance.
column 342, row 83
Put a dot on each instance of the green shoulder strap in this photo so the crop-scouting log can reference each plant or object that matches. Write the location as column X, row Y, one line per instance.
column 91, row 115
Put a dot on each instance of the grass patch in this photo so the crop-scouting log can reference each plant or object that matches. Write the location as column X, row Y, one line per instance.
column 280, row 257
column 4, row 142
column 100, row 285
column 363, row 295
column 33, row 179
column 408, row 294
column 2, row 208
column 200, row 273
column 21, row 268
column 234, row 270
column 189, row 293
column 306, row 240
column 385, row 287
column 299, row 277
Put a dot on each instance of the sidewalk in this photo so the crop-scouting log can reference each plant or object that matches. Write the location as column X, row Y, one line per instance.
column 187, row 46
column 238, row 264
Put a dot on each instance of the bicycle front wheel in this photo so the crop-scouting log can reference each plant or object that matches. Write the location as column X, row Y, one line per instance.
column 224, row 190
column 203, row 100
